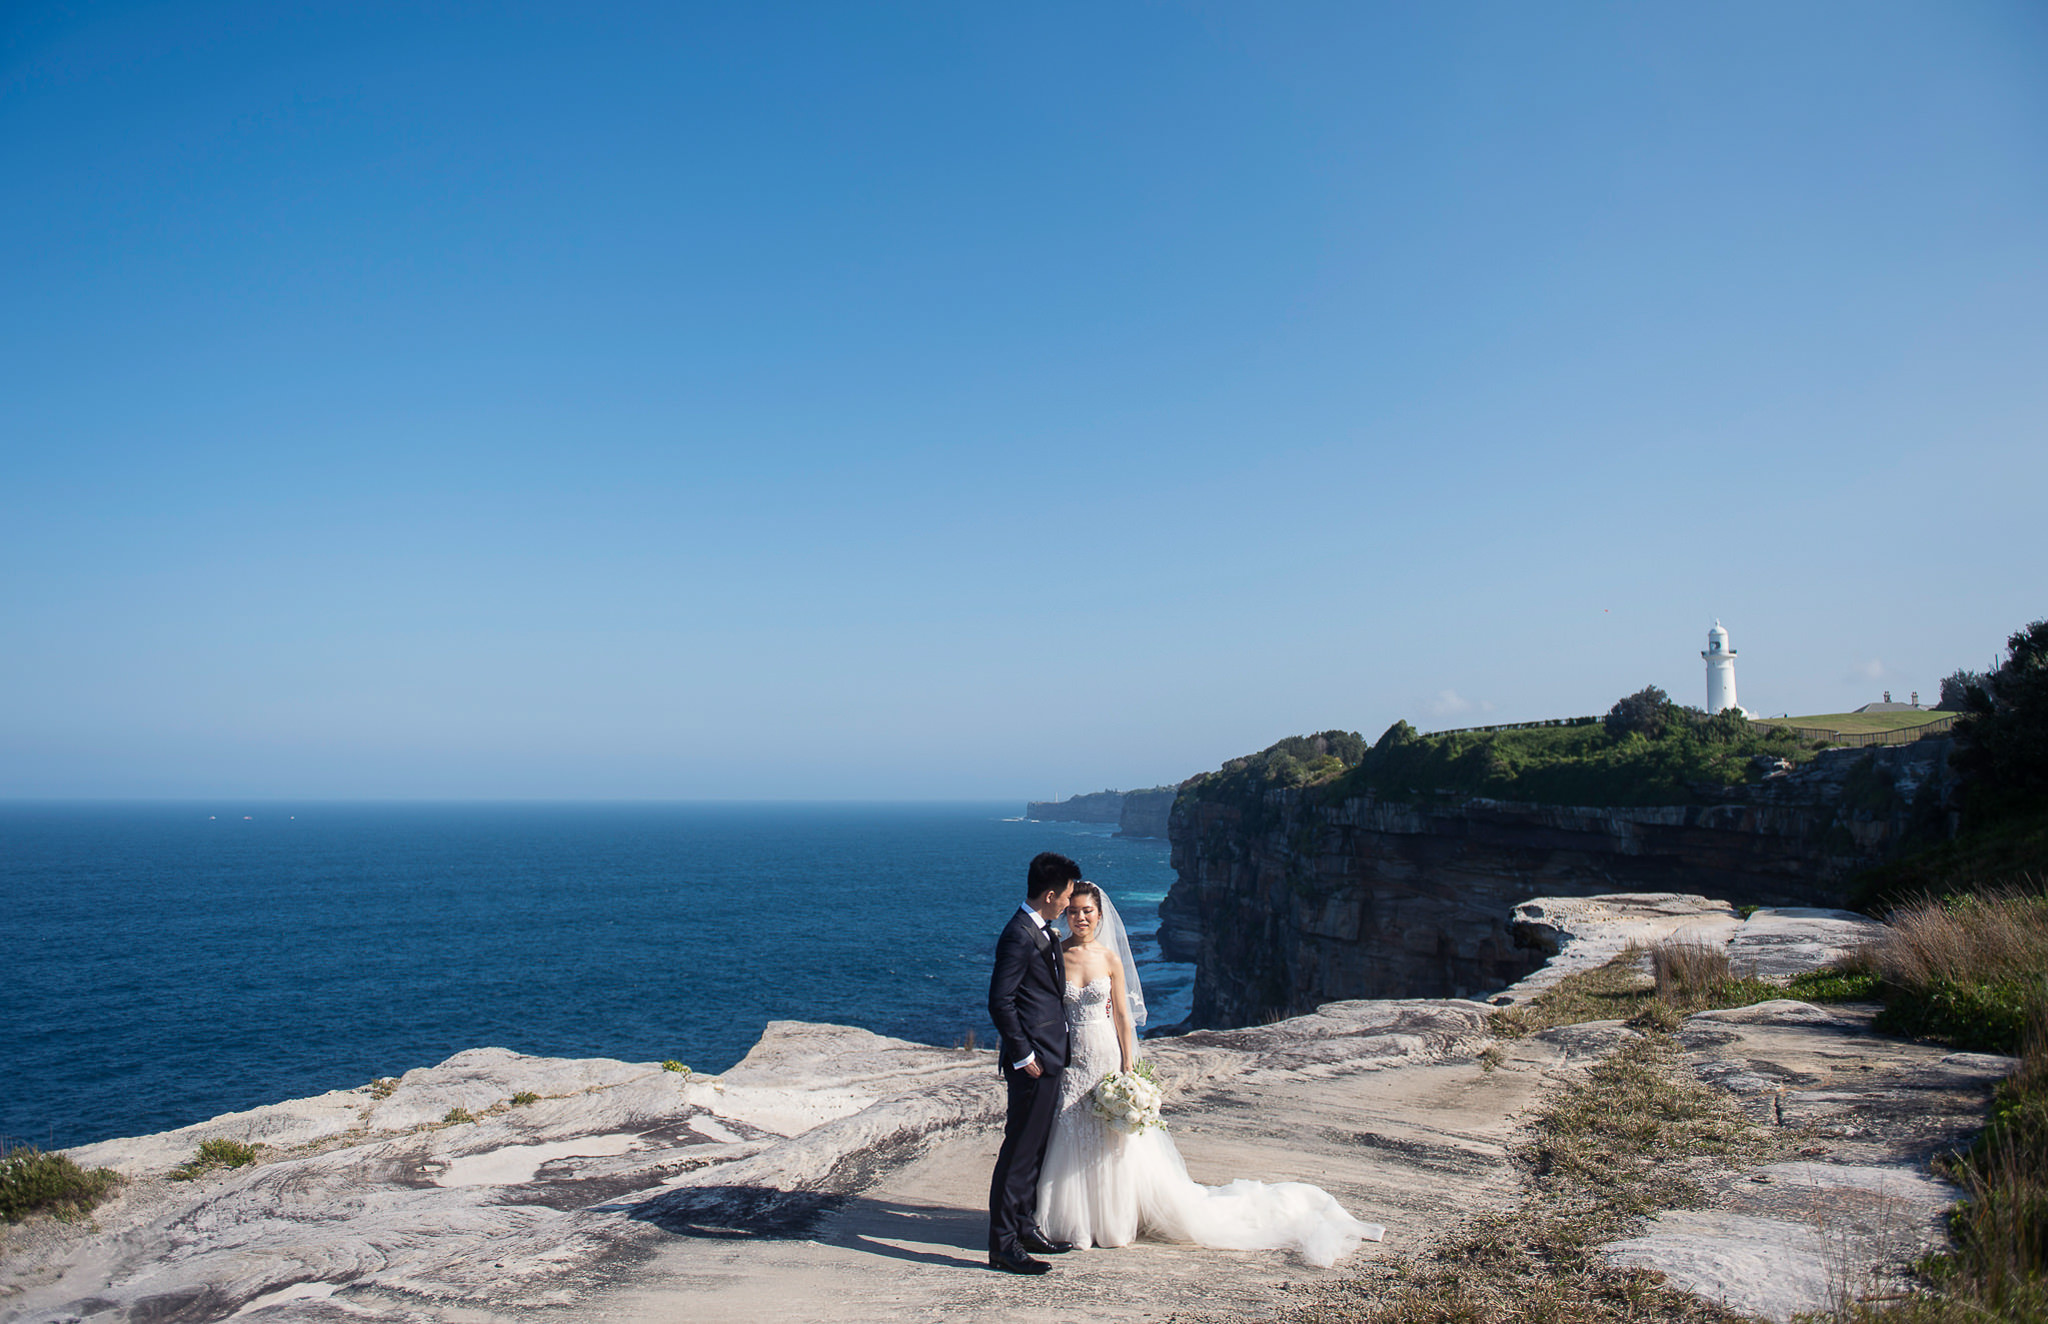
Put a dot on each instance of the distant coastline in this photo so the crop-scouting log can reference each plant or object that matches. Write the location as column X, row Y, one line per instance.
column 1141, row 813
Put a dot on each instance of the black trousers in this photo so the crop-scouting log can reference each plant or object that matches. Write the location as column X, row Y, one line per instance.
column 1013, row 1191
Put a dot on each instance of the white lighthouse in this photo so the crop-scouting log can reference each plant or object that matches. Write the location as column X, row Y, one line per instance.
column 1720, row 671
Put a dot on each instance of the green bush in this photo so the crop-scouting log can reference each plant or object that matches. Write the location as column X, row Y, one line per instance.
column 673, row 1065
column 33, row 1182
column 1977, row 1017
column 219, row 1152
column 456, row 1115
column 524, row 1097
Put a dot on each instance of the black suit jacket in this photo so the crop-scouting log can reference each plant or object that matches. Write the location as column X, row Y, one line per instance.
column 1025, row 995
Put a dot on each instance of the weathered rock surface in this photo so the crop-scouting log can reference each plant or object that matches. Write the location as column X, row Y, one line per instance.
column 1285, row 903
column 1845, row 1219
column 835, row 1174
column 1866, row 1115
column 831, row 1161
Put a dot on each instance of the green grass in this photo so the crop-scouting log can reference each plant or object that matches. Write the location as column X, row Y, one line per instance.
column 457, row 1115
column 35, row 1182
column 1835, row 986
column 524, row 1097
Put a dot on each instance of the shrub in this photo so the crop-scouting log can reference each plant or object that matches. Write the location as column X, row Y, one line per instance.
column 673, row 1065
column 2002, row 736
column 1644, row 713
column 227, row 1153
column 457, row 1115
column 524, row 1097
column 219, row 1152
column 1970, row 970
column 33, row 1182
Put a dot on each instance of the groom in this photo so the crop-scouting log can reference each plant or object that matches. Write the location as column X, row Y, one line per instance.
column 1025, row 999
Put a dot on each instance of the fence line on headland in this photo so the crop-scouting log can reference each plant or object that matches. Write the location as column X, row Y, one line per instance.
column 1517, row 726
column 1904, row 735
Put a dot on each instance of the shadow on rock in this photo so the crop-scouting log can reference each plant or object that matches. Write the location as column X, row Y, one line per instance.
column 940, row 1235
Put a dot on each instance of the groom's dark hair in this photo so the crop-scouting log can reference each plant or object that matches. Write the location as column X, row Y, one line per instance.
column 1050, row 871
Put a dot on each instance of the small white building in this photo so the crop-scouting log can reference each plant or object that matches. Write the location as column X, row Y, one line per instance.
column 1720, row 671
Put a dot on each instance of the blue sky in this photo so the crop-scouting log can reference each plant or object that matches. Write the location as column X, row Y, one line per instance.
column 909, row 401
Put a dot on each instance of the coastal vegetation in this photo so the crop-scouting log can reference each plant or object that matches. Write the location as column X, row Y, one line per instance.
column 35, row 1182
column 1646, row 751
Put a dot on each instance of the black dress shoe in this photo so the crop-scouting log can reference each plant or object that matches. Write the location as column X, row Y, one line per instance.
column 1043, row 1245
column 1015, row 1261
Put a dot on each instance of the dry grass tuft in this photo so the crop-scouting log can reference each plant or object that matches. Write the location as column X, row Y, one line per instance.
column 1651, row 988
column 1983, row 936
column 1686, row 969
column 1969, row 970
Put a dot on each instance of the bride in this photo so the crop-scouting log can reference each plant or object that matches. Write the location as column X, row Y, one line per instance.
column 1103, row 1186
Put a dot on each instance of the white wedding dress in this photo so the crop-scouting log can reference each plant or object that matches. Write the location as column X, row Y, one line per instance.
column 1102, row 1187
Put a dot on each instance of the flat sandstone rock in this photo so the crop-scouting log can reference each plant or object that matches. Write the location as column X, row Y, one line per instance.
column 835, row 1174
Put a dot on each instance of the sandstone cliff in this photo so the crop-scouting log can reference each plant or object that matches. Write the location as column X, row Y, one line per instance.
column 1145, row 813
column 1285, row 901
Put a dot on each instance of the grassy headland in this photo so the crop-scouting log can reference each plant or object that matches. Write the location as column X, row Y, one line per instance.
column 1683, row 759
column 1862, row 724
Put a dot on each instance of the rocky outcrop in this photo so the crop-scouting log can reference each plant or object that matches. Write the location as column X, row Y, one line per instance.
column 1284, row 902
column 838, row 1175
column 1145, row 813
column 806, row 1183
column 1095, row 807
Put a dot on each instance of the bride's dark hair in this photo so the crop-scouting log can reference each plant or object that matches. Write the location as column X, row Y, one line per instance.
column 1087, row 889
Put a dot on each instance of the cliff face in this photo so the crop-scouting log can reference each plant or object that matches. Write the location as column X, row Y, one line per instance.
column 1284, row 903
column 1145, row 813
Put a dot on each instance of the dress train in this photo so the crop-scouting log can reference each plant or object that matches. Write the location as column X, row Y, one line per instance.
column 1103, row 1187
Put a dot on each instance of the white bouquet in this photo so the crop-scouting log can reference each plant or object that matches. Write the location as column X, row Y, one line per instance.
column 1128, row 1100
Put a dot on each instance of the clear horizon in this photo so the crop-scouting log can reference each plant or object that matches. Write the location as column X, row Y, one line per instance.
column 907, row 403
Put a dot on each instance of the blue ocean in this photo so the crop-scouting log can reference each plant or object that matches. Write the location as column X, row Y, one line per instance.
column 169, row 962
